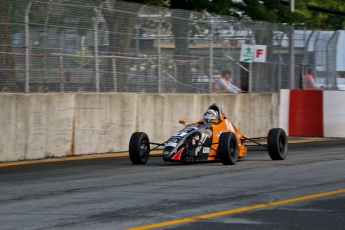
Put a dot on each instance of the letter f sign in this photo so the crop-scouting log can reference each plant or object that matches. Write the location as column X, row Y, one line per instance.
column 258, row 52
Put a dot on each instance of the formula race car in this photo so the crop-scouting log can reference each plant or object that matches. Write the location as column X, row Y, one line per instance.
column 213, row 138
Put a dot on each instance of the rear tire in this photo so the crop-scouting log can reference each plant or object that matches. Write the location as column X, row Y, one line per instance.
column 277, row 144
column 139, row 148
column 228, row 148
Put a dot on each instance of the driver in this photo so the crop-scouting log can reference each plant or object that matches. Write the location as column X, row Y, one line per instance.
column 210, row 115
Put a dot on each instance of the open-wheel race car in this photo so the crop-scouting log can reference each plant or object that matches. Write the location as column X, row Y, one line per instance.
column 212, row 138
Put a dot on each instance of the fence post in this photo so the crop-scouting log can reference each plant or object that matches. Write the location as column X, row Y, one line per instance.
column 159, row 60
column 61, row 62
column 159, row 54
column 114, row 73
column 328, row 65
column 292, row 49
column 45, row 44
column 279, row 63
column 99, row 10
column 213, row 24
column 27, row 48
column 292, row 59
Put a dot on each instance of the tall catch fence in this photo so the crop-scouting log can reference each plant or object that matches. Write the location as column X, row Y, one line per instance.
column 116, row 46
column 322, row 56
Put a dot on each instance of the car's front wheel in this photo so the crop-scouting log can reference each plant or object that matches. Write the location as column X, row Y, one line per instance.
column 139, row 148
column 228, row 148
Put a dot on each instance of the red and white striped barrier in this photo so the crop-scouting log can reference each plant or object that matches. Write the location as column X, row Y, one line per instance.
column 312, row 113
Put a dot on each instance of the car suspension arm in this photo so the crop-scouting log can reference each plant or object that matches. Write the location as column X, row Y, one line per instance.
column 253, row 140
column 157, row 145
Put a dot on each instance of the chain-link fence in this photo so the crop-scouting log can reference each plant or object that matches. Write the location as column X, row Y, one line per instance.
column 320, row 55
column 104, row 46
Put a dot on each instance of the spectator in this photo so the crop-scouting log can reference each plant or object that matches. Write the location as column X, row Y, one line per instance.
column 310, row 80
column 223, row 84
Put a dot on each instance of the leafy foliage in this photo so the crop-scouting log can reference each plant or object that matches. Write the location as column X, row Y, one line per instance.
column 269, row 10
column 318, row 20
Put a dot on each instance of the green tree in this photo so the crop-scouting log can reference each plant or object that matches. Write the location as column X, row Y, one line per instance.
column 322, row 20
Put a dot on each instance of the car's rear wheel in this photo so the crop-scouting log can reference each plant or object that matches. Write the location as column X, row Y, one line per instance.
column 139, row 148
column 228, row 148
column 277, row 144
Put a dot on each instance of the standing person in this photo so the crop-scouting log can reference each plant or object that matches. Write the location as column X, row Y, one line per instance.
column 310, row 80
column 223, row 84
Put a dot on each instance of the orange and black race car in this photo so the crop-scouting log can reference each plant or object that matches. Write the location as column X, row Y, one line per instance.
column 213, row 138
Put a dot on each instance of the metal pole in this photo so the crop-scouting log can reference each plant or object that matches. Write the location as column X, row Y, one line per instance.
column 250, row 65
column 211, row 60
column 114, row 74
column 96, row 46
column 62, row 77
column 280, row 62
column 292, row 49
column 45, row 45
column 137, row 41
column 328, row 67
column 27, row 48
column 159, row 53
column 211, row 53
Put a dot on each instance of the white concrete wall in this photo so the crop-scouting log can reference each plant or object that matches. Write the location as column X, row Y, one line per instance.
column 158, row 114
column 284, row 106
column 258, row 113
column 13, row 127
column 35, row 126
column 334, row 113
column 103, row 122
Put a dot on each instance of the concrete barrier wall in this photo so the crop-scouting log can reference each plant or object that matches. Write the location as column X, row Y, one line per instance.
column 36, row 126
column 103, row 122
column 13, row 133
column 253, row 114
column 158, row 114
column 312, row 113
column 258, row 113
column 334, row 113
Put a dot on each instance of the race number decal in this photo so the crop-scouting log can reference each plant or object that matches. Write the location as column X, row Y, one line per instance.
column 202, row 140
column 185, row 131
column 180, row 134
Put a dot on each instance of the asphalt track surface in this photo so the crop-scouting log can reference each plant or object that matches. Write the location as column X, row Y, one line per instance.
column 305, row 191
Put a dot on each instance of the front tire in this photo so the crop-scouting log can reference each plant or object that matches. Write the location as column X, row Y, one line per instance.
column 277, row 144
column 228, row 148
column 139, row 148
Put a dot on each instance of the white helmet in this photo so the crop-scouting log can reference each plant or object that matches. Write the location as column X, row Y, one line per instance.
column 210, row 115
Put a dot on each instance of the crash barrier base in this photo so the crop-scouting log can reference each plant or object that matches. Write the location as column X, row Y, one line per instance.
column 312, row 113
column 38, row 126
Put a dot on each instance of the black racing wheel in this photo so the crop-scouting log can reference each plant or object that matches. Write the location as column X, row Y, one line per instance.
column 228, row 148
column 139, row 148
column 277, row 144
